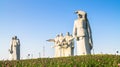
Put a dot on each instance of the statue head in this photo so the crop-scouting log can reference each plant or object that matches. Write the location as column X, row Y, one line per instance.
column 61, row 34
column 57, row 35
column 15, row 37
column 67, row 33
column 81, row 14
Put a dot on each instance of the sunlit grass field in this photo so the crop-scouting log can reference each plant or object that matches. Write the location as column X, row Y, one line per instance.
column 73, row 61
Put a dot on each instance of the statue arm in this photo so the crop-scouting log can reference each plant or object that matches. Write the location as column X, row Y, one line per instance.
column 11, row 47
column 71, row 39
column 74, row 30
column 64, row 40
column 18, row 42
column 89, row 34
column 51, row 40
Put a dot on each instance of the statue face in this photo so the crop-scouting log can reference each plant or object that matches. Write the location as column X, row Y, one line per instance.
column 80, row 16
column 15, row 37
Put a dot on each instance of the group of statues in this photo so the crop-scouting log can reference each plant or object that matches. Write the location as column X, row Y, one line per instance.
column 64, row 45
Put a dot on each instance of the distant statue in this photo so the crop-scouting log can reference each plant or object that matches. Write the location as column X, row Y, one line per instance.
column 15, row 48
column 61, row 42
column 57, row 45
column 63, row 45
column 69, row 45
column 82, row 34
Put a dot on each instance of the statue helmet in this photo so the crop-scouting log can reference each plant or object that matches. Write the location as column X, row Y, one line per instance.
column 80, row 12
column 68, row 33
column 61, row 34
column 15, row 37
column 57, row 35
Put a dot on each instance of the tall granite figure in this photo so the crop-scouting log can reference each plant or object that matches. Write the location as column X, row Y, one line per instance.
column 82, row 33
column 15, row 48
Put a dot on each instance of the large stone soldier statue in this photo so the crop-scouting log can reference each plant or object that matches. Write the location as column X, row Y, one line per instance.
column 82, row 34
column 15, row 48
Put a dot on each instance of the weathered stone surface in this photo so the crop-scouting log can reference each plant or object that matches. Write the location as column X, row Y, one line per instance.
column 64, row 45
column 82, row 34
column 15, row 49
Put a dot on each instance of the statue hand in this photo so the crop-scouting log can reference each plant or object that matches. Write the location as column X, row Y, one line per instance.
column 10, row 51
column 77, row 38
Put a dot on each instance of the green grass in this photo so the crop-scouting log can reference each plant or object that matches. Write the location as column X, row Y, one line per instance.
column 75, row 61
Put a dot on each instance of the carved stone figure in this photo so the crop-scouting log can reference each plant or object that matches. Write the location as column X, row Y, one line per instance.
column 64, row 46
column 15, row 48
column 82, row 34
column 57, row 45
column 69, row 45
column 61, row 42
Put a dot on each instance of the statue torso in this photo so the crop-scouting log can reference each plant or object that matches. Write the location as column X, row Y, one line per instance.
column 56, row 40
column 61, row 38
column 81, row 26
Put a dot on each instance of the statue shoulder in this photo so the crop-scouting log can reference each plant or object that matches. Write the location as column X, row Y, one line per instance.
column 76, row 20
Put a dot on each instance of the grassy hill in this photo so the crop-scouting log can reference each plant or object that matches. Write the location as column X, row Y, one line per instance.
column 75, row 61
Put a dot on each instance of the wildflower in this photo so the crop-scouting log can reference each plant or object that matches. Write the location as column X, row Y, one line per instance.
column 98, row 60
column 118, row 64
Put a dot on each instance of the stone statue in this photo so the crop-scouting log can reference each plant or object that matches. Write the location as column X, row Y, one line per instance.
column 82, row 34
column 61, row 42
column 57, row 45
column 69, row 45
column 15, row 48
column 64, row 46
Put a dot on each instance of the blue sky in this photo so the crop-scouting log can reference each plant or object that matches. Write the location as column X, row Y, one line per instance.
column 35, row 21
